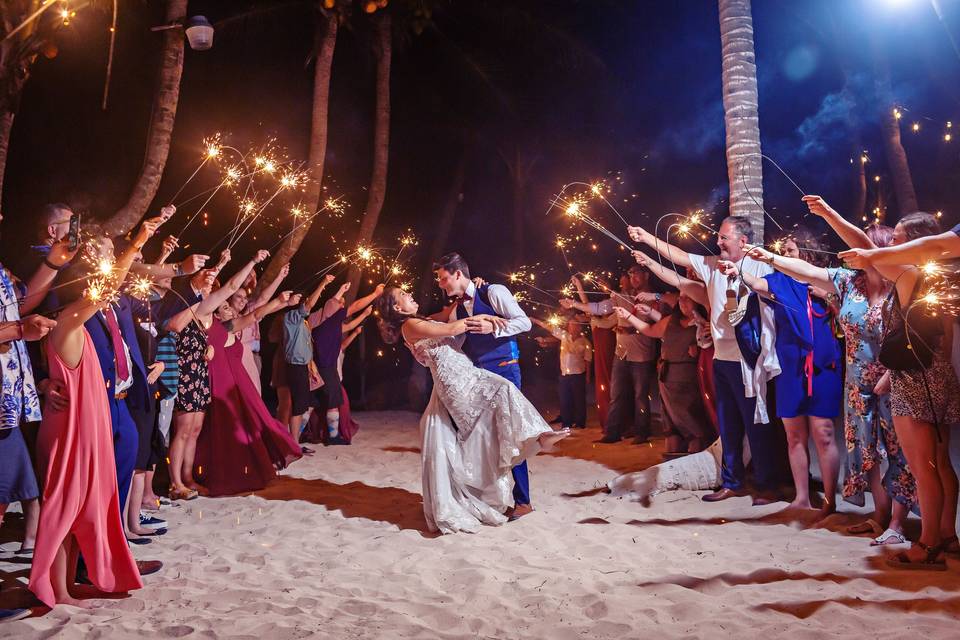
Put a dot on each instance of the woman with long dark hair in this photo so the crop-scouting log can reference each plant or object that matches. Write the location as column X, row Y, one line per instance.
column 477, row 427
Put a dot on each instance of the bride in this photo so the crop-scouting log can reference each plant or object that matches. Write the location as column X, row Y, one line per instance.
column 475, row 429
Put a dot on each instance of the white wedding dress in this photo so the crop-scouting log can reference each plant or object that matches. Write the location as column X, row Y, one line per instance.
column 475, row 429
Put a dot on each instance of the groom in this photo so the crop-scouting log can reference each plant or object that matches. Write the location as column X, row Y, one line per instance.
column 493, row 350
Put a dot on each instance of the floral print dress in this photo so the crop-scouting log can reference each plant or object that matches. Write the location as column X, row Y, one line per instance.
column 193, row 387
column 867, row 425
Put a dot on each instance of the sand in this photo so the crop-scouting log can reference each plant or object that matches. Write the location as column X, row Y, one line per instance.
column 337, row 548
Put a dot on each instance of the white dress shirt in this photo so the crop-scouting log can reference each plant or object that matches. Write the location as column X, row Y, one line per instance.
column 575, row 353
column 725, row 343
column 505, row 306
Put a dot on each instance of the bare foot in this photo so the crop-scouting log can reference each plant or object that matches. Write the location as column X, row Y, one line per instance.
column 800, row 505
column 70, row 601
column 199, row 488
column 549, row 440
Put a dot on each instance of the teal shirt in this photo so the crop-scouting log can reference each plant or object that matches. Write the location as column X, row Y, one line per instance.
column 297, row 346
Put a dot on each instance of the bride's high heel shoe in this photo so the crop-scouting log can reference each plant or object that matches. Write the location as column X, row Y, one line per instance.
column 549, row 440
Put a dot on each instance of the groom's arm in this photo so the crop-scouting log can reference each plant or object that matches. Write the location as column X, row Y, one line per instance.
column 509, row 309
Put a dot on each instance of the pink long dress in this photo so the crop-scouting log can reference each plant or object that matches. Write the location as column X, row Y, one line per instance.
column 80, row 498
column 241, row 444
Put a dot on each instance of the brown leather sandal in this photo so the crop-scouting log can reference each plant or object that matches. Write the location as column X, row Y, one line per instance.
column 931, row 562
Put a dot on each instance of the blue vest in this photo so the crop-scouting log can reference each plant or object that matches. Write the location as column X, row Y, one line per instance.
column 485, row 348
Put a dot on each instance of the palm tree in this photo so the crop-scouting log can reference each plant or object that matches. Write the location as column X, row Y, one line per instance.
column 890, row 127
column 327, row 26
column 165, row 101
column 381, row 139
column 741, row 112
column 27, row 32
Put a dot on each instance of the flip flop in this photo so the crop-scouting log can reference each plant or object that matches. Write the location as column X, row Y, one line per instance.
column 888, row 537
column 869, row 526
column 139, row 541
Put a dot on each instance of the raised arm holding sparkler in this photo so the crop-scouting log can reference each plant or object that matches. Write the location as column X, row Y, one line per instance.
column 669, row 251
column 67, row 337
column 285, row 299
column 693, row 288
column 39, row 284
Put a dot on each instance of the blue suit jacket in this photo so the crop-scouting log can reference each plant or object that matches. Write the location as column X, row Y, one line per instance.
column 138, row 396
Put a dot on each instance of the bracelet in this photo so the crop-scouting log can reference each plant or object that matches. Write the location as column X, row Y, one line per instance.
column 50, row 265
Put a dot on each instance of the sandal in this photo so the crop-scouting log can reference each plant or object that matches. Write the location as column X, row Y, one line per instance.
column 183, row 494
column 929, row 563
column 950, row 547
column 868, row 526
column 888, row 537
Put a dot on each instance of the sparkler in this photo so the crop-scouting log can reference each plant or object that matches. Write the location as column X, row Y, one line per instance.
column 212, row 148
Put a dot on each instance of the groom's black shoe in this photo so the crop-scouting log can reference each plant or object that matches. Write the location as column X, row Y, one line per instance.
column 556, row 420
column 608, row 439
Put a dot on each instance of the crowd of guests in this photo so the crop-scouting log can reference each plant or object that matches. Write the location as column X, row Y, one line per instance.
column 769, row 350
column 765, row 350
column 112, row 365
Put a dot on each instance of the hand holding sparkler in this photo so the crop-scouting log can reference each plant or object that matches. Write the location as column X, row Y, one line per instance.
column 647, row 297
column 146, row 231
column 224, row 259
column 35, row 327
column 857, row 258
column 819, row 207
column 728, row 269
column 642, row 258
column 167, row 212
column 638, row 234
column 760, row 254
column 170, row 244
column 294, row 299
column 622, row 313
column 260, row 256
column 192, row 264
column 567, row 303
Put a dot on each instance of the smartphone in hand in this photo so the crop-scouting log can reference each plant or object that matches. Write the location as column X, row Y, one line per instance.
column 73, row 234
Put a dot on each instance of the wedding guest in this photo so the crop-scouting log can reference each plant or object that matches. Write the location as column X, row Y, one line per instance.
column 741, row 389
column 21, row 402
column 250, row 336
column 241, row 445
column 298, row 352
column 576, row 354
column 193, row 386
column 634, row 367
column 81, row 511
column 327, row 337
column 808, row 389
column 924, row 395
column 602, row 329
column 869, row 432
column 684, row 417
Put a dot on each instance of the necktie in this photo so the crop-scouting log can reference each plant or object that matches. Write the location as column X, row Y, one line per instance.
column 119, row 353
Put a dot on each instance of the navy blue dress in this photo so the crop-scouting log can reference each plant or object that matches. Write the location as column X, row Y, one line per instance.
column 803, row 324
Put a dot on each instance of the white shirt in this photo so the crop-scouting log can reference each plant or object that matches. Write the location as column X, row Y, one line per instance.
column 575, row 353
column 505, row 306
column 724, row 336
column 121, row 385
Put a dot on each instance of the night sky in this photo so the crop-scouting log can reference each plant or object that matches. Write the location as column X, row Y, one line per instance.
column 586, row 90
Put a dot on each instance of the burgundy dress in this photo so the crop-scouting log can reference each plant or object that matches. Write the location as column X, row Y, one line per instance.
column 241, row 444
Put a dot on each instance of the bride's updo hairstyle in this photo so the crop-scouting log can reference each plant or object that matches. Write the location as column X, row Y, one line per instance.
column 389, row 320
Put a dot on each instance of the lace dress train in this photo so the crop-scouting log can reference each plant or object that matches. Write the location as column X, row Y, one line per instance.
column 476, row 428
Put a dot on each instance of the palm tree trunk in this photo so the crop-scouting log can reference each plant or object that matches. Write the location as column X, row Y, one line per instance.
column 381, row 144
column 896, row 155
column 327, row 36
column 741, row 113
column 161, row 127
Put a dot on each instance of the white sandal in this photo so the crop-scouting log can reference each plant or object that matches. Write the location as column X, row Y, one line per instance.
column 888, row 537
